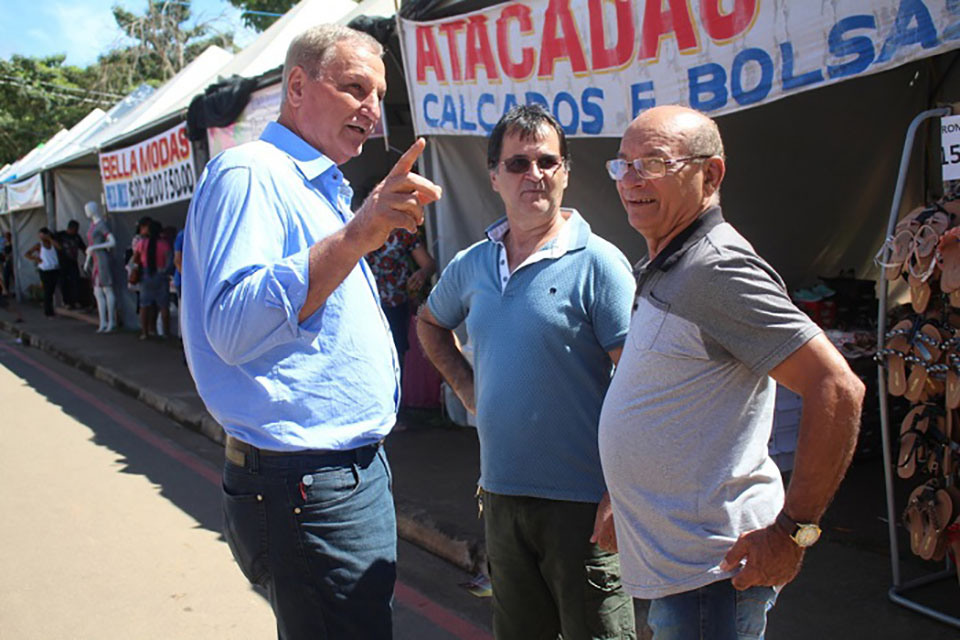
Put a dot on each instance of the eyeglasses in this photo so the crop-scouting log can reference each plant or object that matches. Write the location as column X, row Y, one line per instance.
column 521, row 164
column 650, row 168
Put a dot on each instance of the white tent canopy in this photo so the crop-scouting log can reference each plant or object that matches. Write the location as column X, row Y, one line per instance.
column 270, row 47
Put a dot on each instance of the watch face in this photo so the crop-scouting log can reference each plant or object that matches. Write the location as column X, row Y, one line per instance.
column 807, row 534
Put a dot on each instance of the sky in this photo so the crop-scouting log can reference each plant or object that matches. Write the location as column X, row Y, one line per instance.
column 82, row 29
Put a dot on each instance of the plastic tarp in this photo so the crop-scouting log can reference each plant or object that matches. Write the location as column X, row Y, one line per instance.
column 25, row 195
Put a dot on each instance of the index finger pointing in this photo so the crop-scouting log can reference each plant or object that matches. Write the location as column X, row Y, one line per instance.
column 409, row 157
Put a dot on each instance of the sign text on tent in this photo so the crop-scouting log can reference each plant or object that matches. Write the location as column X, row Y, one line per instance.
column 155, row 172
column 597, row 63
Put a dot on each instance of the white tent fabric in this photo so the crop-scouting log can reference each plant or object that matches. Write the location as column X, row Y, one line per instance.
column 22, row 166
column 172, row 97
column 85, row 143
column 73, row 188
column 25, row 226
column 270, row 47
column 25, row 195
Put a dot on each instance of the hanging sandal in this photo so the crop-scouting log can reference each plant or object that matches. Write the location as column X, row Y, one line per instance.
column 894, row 356
column 925, row 347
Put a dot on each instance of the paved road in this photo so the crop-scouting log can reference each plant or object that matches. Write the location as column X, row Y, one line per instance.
column 111, row 525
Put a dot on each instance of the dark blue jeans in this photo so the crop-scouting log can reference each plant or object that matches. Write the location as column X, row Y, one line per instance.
column 714, row 612
column 319, row 533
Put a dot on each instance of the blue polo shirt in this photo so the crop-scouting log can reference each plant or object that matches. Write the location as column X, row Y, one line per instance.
column 330, row 382
column 541, row 337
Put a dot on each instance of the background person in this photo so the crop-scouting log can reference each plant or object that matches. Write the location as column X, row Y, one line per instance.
column 396, row 281
column 154, row 258
column 72, row 248
column 44, row 255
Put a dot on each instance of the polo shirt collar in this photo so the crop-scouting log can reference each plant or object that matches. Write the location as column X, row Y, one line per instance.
column 690, row 236
column 573, row 235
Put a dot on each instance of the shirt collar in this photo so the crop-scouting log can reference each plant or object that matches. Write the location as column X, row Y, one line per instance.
column 310, row 161
column 573, row 235
column 696, row 231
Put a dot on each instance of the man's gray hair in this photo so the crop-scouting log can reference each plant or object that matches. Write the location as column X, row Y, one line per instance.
column 704, row 140
column 314, row 48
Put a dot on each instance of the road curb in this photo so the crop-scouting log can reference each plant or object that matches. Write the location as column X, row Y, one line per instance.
column 413, row 525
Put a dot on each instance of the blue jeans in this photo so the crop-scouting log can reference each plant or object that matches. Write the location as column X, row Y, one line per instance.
column 318, row 532
column 714, row 612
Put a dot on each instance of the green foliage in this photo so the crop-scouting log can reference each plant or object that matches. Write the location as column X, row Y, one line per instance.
column 163, row 43
column 261, row 22
column 38, row 97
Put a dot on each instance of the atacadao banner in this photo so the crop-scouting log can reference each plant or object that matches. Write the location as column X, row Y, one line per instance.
column 597, row 63
column 154, row 172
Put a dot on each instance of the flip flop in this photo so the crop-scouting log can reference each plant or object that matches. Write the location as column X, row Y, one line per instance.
column 925, row 346
column 894, row 356
column 949, row 251
column 913, row 518
column 912, row 448
column 920, row 293
column 941, row 513
column 926, row 350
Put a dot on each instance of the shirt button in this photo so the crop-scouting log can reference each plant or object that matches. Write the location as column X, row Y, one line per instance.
column 504, row 279
column 259, row 498
column 296, row 510
column 307, row 480
column 503, row 262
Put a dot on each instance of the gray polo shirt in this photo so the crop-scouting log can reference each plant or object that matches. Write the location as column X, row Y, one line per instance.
column 685, row 423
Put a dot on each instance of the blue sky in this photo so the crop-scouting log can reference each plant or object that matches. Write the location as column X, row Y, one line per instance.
column 82, row 29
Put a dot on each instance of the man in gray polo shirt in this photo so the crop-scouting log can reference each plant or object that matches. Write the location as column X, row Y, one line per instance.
column 703, row 528
column 547, row 306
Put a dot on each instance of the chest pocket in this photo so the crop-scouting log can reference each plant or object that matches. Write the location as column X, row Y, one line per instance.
column 676, row 337
column 647, row 322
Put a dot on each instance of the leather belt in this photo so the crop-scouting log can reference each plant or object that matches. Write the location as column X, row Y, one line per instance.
column 237, row 451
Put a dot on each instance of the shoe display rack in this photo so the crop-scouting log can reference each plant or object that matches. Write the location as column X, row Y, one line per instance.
column 919, row 360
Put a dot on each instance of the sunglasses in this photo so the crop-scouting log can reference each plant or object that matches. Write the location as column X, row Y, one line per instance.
column 521, row 164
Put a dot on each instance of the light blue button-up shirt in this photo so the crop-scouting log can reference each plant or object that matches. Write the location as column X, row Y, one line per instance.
column 330, row 382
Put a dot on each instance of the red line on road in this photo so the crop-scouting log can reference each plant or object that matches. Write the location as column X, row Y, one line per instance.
column 438, row 615
column 124, row 420
column 406, row 595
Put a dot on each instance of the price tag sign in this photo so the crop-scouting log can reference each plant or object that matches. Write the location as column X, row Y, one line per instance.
column 950, row 147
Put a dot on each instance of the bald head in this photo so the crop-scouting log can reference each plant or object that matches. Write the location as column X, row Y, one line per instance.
column 695, row 133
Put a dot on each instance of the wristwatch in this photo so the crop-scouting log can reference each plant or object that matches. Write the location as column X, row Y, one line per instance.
column 804, row 534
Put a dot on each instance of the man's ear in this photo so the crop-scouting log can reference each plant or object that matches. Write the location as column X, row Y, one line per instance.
column 296, row 82
column 713, row 174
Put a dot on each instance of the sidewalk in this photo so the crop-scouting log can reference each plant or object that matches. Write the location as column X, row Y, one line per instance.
column 841, row 592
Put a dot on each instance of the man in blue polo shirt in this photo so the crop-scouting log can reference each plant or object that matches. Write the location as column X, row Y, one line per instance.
column 289, row 349
column 547, row 306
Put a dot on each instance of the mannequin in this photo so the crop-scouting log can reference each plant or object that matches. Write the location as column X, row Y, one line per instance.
column 100, row 242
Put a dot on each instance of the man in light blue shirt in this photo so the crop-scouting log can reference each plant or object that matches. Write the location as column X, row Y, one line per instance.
column 546, row 304
column 289, row 349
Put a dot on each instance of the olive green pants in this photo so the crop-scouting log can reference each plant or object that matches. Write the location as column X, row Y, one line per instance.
column 548, row 579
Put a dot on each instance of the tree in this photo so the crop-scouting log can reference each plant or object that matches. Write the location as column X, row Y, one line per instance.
column 260, row 14
column 38, row 97
column 162, row 44
column 259, row 21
